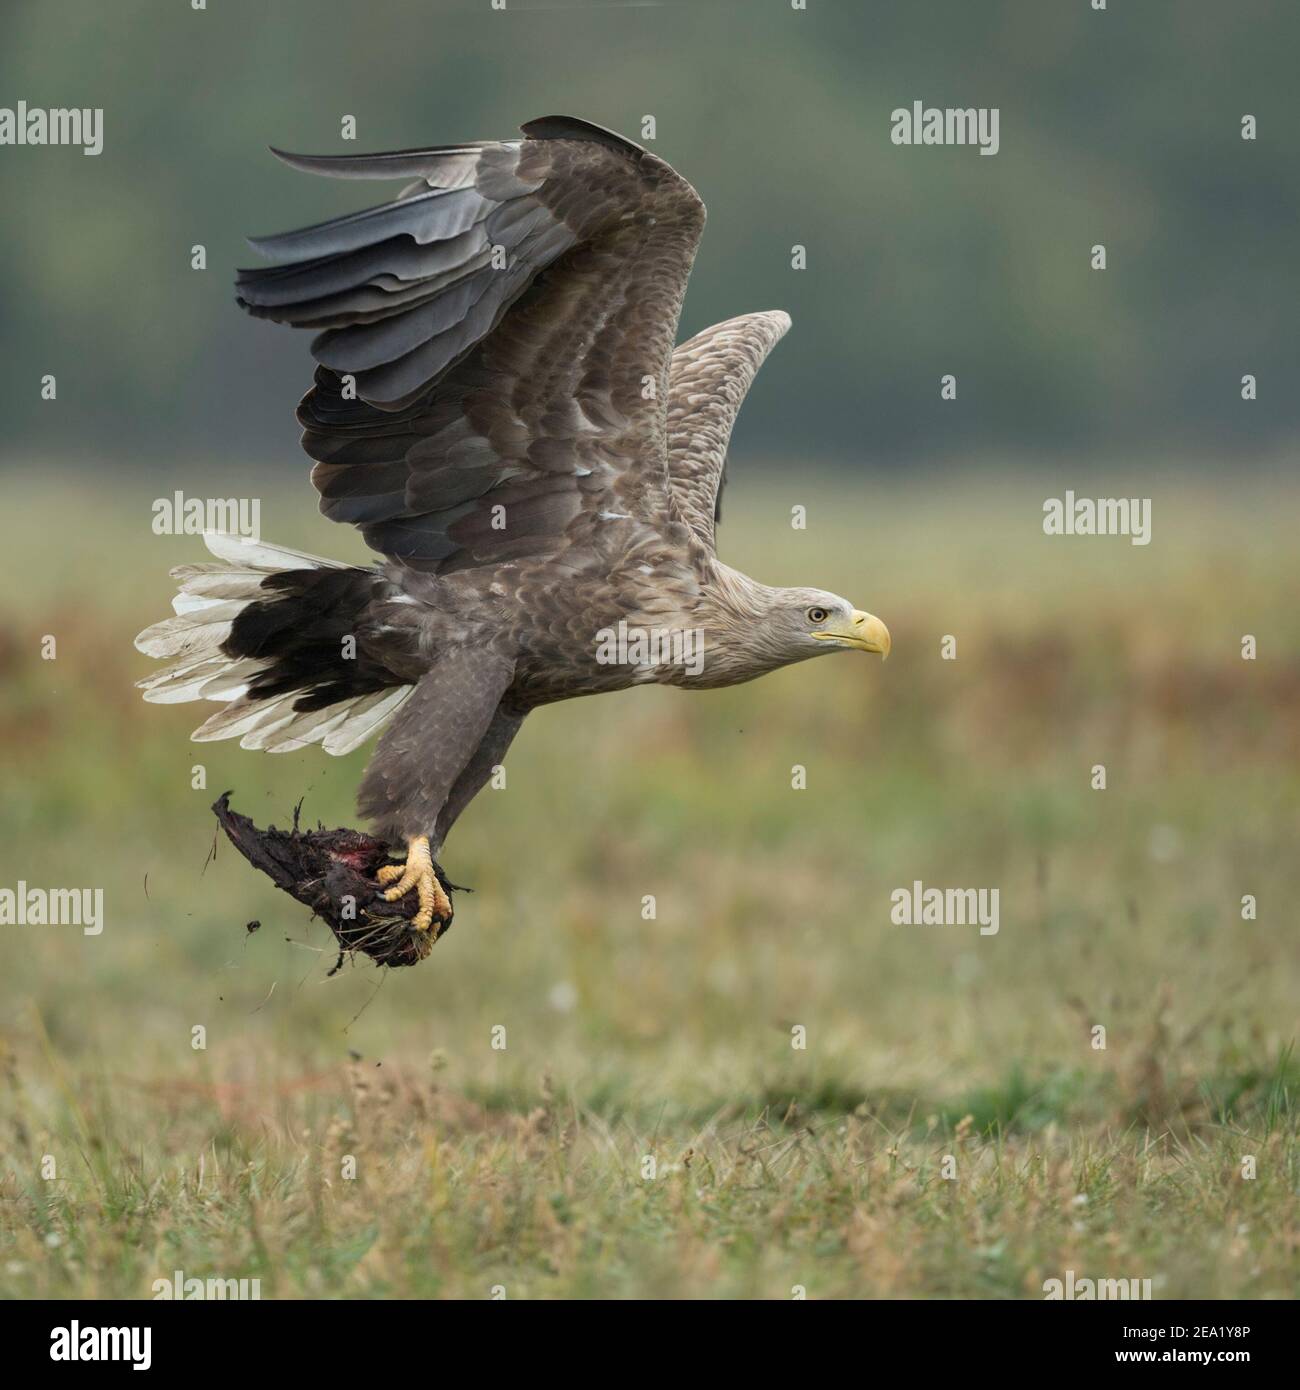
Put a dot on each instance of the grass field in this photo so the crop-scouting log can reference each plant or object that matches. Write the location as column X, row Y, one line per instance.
column 774, row 1168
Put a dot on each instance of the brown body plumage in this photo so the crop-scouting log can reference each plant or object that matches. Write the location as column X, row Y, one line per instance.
column 500, row 408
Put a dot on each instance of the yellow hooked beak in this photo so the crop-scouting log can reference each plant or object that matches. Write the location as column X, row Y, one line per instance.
column 861, row 630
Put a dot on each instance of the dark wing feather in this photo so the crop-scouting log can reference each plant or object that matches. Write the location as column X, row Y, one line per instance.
column 494, row 344
column 710, row 376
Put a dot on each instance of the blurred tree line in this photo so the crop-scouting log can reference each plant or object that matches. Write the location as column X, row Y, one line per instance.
column 1119, row 127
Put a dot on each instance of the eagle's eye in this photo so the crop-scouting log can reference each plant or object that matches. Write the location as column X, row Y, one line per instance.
column 816, row 615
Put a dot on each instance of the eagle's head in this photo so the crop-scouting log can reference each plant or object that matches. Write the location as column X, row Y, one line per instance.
column 753, row 628
column 811, row 622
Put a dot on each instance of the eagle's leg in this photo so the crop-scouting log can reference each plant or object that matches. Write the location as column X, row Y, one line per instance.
column 418, row 873
column 420, row 756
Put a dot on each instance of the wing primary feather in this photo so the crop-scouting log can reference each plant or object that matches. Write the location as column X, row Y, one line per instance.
column 394, row 164
column 437, row 215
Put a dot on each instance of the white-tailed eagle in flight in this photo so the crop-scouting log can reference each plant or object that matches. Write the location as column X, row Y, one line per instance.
column 500, row 407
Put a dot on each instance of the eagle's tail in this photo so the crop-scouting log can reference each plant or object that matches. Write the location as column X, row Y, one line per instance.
column 264, row 631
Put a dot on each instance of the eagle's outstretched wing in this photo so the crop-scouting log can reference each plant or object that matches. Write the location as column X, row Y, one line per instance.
column 710, row 375
column 494, row 345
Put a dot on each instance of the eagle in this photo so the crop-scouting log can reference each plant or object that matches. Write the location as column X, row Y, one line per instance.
column 500, row 407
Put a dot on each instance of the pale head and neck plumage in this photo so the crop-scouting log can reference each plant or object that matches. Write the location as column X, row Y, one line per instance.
column 749, row 629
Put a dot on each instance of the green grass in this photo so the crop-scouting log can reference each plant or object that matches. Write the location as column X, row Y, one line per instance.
column 629, row 1040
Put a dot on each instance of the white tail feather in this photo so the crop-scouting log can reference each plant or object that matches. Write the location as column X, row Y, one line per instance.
column 302, row 733
column 211, row 597
column 369, row 715
column 250, row 554
column 241, row 716
column 210, row 678
column 191, row 635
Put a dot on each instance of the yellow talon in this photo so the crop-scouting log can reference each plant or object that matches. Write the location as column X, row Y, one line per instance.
column 417, row 873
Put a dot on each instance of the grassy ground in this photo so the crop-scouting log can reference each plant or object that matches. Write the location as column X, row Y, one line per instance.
column 629, row 1041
